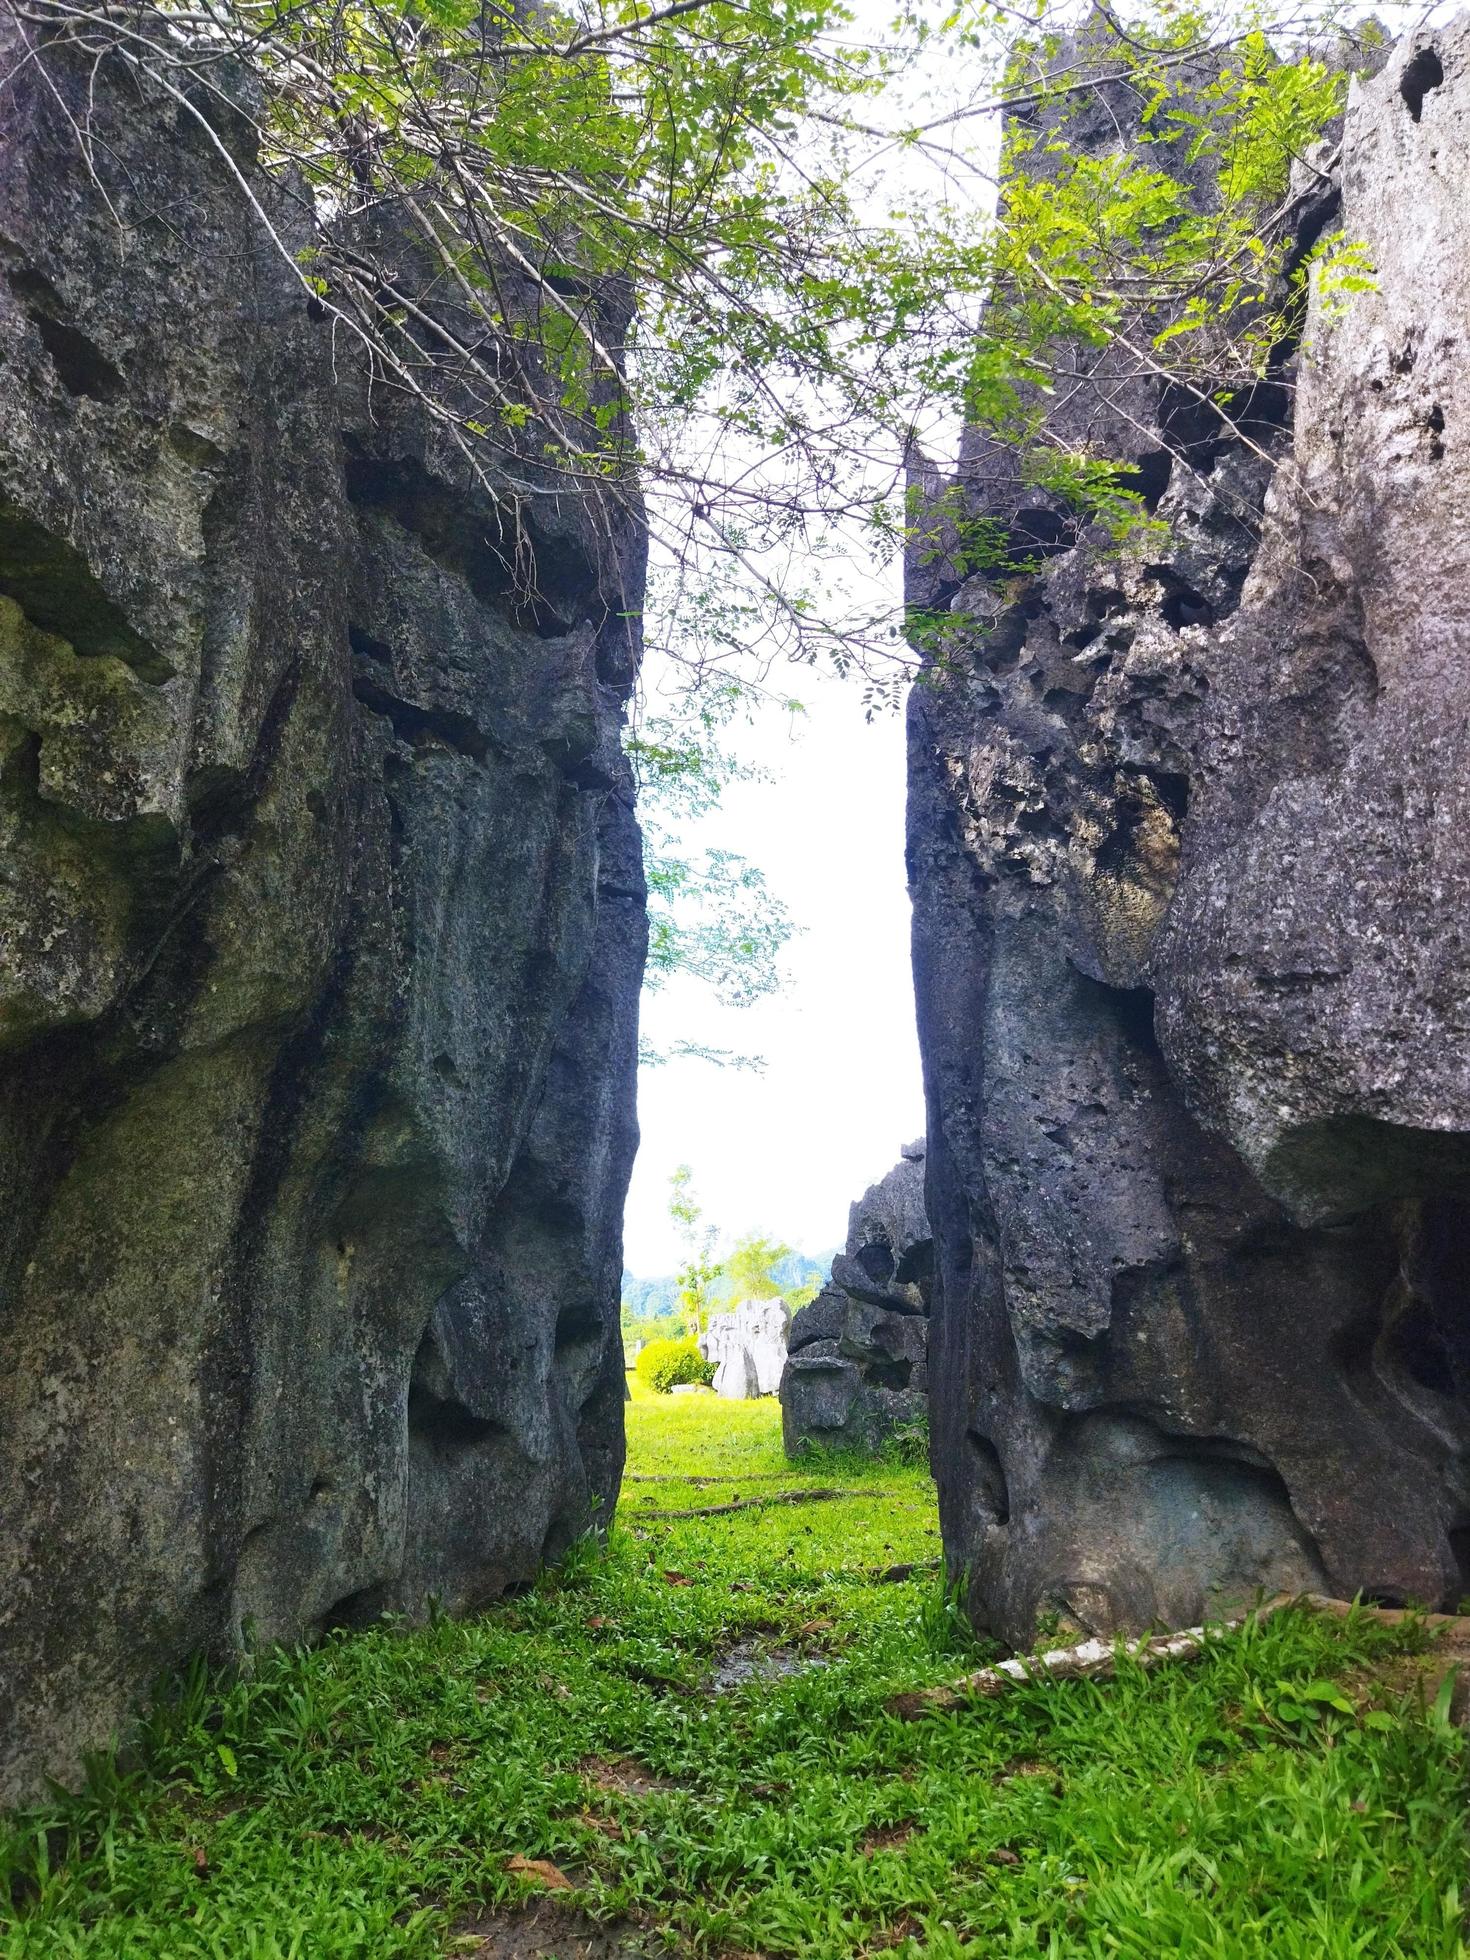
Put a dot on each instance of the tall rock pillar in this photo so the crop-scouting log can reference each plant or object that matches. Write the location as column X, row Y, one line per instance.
column 1190, row 855
column 321, row 932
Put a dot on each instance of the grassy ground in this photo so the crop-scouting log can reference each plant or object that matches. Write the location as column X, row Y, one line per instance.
column 370, row 1800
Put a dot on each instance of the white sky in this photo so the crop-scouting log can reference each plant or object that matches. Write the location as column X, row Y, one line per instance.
column 787, row 1150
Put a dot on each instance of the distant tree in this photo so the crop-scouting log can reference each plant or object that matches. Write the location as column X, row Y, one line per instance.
column 750, row 1267
column 644, row 1327
column 665, row 1365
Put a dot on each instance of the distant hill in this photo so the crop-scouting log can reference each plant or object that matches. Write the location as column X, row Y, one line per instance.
column 652, row 1299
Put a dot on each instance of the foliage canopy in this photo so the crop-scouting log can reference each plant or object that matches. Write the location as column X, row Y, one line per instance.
column 710, row 255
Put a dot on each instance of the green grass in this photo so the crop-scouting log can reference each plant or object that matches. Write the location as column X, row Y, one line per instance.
column 355, row 1801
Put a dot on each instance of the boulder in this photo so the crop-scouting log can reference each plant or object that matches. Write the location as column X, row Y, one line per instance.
column 748, row 1347
column 1190, row 862
column 736, row 1378
column 859, row 1351
column 321, row 930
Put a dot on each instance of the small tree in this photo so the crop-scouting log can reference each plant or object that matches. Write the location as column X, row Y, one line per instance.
column 701, row 1270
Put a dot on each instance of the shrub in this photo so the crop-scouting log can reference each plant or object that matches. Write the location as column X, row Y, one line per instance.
column 668, row 1364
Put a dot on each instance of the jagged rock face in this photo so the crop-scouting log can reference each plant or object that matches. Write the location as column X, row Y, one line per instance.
column 1190, row 860
column 321, row 930
column 858, row 1361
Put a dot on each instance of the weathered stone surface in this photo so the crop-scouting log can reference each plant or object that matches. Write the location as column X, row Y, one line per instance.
column 1190, row 861
column 859, row 1351
column 748, row 1348
column 321, row 926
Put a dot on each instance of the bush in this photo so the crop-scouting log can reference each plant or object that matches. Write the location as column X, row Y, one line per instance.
column 668, row 1364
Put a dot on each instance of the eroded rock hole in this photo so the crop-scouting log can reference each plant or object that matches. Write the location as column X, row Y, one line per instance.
column 890, row 1374
column 1460, row 1545
column 1038, row 534
column 992, row 1493
column 56, row 589
column 1414, row 1342
column 1424, row 72
column 1188, row 608
column 578, row 1325
column 367, row 648
column 1183, row 604
column 1106, row 602
column 449, row 1425
column 437, row 1414
column 1148, row 476
column 1133, row 1012
column 1082, row 637
column 876, row 1260
column 421, row 727
column 546, row 584
column 81, row 366
column 356, row 1610
column 916, row 1264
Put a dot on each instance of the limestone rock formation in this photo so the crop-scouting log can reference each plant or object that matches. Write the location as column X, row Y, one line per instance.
column 858, row 1366
column 1190, row 856
column 748, row 1348
column 321, row 929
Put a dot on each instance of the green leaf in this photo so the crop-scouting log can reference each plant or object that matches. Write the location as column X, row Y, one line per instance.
column 1329, row 1693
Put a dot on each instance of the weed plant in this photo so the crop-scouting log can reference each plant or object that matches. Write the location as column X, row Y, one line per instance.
column 364, row 1799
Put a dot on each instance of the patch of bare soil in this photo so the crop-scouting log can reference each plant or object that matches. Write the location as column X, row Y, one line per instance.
column 544, row 1929
column 886, row 1837
column 1024, row 1766
column 904, row 1927
column 755, row 1660
column 620, row 1776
